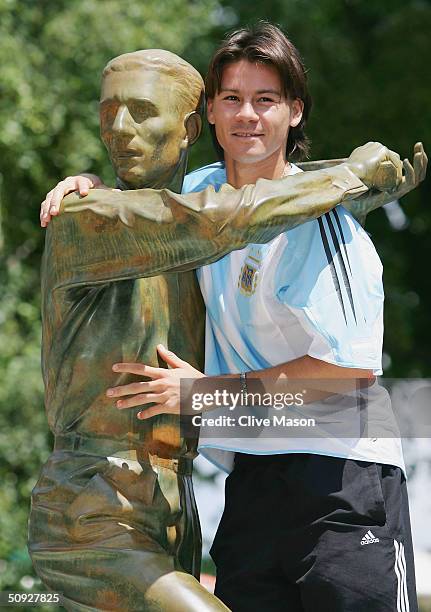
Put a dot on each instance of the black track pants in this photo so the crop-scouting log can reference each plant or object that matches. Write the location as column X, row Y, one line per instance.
column 303, row 532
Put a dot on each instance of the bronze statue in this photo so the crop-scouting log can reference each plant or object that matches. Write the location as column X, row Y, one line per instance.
column 113, row 523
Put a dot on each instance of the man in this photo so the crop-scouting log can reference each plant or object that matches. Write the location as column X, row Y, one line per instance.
column 113, row 521
column 314, row 523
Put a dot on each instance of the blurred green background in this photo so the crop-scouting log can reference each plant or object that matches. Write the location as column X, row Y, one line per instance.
column 368, row 66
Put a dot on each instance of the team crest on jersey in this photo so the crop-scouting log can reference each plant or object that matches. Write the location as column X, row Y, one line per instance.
column 249, row 275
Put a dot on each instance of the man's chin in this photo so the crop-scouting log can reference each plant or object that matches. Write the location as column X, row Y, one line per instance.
column 250, row 157
column 248, row 152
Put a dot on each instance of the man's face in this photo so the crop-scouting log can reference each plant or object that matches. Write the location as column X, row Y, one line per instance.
column 140, row 126
column 250, row 114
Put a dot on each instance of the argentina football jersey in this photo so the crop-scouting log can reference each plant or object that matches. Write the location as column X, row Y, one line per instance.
column 315, row 290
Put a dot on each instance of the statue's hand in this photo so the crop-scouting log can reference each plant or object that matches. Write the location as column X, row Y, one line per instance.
column 413, row 175
column 109, row 203
column 82, row 184
column 377, row 166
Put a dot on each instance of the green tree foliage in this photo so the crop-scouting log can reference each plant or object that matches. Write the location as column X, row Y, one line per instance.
column 368, row 68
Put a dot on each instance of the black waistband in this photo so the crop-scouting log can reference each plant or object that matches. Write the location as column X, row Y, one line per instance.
column 246, row 459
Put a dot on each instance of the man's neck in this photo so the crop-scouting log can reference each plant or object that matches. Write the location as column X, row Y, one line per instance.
column 239, row 174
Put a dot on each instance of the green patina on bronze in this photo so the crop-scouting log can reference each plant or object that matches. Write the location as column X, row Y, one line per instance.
column 113, row 522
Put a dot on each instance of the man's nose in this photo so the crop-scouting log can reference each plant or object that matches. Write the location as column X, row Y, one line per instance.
column 247, row 112
column 123, row 121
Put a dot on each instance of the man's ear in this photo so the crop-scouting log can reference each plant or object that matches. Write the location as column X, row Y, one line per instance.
column 193, row 125
column 296, row 110
column 210, row 115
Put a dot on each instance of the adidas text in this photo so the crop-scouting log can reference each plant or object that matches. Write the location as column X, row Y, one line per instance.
column 369, row 538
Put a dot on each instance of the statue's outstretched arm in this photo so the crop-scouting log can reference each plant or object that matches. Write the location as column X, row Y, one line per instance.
column 111, row 235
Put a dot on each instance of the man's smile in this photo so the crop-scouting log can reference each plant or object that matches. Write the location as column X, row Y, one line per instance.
column 247, row 134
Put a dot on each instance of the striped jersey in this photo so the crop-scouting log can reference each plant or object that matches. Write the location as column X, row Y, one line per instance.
column 314, row 290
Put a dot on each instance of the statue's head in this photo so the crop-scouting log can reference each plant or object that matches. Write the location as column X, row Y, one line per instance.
column 150, row 113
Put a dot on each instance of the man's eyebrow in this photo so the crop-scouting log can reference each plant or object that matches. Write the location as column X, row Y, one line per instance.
column 259, row 91
column 276, row 92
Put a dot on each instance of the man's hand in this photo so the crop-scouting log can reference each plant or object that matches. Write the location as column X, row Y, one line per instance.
column 163, row 389
column 82, row 183
column 377, row 166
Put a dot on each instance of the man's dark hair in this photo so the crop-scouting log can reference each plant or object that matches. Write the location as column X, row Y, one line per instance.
column 265, row 43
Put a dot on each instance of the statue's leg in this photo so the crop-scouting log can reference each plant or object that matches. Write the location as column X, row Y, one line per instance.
column 122, row 580
column 117, row 535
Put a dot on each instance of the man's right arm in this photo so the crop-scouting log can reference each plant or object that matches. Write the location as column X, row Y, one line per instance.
column 82, row 183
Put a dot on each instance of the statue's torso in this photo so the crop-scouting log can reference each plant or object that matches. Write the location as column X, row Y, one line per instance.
column 87, row 329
